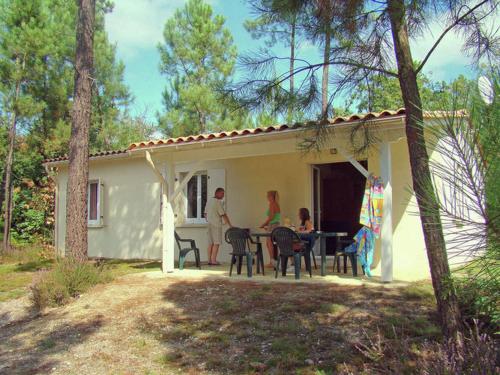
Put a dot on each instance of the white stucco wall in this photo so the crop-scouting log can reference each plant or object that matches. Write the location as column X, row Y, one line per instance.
column 130, row 211
column 131, row 201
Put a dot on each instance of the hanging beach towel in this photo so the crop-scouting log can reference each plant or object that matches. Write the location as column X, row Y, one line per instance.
column 371, row 218
column 365, row 241
column 373, row 202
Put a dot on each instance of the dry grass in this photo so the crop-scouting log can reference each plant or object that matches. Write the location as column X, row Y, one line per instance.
column 142, row 325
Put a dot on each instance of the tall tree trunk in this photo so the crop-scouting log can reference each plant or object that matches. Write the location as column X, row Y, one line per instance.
column 2, row 190
column 76, row 203
column 292, row 65
column 7, row 217
column 202, row 121
column 419, row 161
column 324, row 83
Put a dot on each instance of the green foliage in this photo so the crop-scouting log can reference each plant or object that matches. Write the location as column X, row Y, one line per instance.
column 198, row 56
column 382, row 92
column 274, row 20
column 37, row 47
column 479, row 298
column 466, row 176
column 67, row 279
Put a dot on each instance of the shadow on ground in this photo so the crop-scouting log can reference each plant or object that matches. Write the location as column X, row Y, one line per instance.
column 31, row 346
column 243, row 327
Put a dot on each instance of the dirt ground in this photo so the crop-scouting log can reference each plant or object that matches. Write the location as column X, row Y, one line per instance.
column 140, row 324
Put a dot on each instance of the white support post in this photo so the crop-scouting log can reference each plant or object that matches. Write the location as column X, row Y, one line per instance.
column 168, row 222
column 168, row 218
column 386, row 230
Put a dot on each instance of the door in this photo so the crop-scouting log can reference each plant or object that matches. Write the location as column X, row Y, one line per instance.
column 338, row 190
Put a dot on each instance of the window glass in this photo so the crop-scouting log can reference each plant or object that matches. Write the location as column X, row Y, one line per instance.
column 192, row 198
column 93, row 191
column 196, row 198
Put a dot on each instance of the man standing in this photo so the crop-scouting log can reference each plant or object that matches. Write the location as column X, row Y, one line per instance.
column 215, row 214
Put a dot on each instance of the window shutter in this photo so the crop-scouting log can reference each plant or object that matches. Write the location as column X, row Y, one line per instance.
column 100, row 202
column 95, row 206
column 216, row 179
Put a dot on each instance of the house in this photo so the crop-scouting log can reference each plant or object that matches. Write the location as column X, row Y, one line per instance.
column 138, row 195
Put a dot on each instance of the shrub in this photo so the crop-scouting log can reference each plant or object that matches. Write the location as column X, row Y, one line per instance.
column 66, row 280
column 479, row 299
column 477, row 354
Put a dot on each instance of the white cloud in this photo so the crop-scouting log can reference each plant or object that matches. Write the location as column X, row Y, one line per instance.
column 137, row 25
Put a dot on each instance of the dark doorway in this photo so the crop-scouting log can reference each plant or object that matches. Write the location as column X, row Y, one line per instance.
column 340, row 188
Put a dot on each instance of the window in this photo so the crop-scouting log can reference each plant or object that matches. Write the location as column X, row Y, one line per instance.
column 94, row 203
column 196, row 198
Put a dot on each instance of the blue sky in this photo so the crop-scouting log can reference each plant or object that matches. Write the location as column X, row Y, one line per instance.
column 136, row 27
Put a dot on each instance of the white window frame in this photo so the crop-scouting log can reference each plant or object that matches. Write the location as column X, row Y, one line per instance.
column 98, row 221
column 200, row 217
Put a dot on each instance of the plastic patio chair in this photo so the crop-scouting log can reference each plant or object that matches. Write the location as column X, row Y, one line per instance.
column 239, row 240
column 352, row 255
column 183, row 251
column 286, row 238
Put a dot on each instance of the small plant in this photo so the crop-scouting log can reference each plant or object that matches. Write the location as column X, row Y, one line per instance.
column 68, row 279
column 479, row 300
column 476, row 354
column 374, row 349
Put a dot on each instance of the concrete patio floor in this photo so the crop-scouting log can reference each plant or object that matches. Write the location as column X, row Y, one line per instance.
column 222, row 272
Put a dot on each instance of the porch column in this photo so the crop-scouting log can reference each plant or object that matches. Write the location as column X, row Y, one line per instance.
column 168, row 227
column 168, row 221
column 386, row 230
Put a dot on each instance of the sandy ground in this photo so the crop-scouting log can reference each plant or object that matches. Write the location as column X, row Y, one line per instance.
column 103, row 331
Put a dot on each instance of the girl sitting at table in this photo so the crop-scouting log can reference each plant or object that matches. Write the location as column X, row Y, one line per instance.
column 273, row 219
column 305, row 228
column 306, row 225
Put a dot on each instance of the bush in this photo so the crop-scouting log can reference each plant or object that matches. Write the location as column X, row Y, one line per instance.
column 66, row 280
column 477, row 354
column 479, row 299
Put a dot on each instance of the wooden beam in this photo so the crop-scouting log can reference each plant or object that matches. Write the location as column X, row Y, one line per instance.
column 185, row 180
column 353, row 161
column 153, row 167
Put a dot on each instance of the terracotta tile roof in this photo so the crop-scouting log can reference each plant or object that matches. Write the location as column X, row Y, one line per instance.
column 94, row 155
column 268, row 129
column 240, row 133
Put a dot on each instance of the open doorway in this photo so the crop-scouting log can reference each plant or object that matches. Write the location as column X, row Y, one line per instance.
column 338, row 190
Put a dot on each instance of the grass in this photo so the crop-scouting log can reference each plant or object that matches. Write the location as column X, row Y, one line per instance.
column 249, row 327
column 18, row 268
column 16, row 274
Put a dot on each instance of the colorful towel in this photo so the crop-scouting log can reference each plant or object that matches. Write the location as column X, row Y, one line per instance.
column 373, row 202
column 365, row 240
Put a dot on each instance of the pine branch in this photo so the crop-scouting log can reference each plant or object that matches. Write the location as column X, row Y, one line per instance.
column 448, row 29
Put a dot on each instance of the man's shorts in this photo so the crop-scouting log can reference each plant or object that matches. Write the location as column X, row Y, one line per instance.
column 214, row 234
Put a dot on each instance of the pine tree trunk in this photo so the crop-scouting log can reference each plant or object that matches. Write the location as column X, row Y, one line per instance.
column 7, row 217
column 76, row 204
column 292, row 65
column 202, row 120
column 324, row 83
column 2, row 190
column 419, row 161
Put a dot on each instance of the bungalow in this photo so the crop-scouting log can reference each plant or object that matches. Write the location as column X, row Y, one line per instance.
column 139, row 195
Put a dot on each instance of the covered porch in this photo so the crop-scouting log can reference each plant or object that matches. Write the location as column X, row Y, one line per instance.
column 247, row 165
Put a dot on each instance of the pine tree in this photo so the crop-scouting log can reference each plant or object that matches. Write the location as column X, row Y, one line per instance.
column 278, row 21
column 364, row 30
column 76, row 202
column 198, row 56
column 21, row 53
